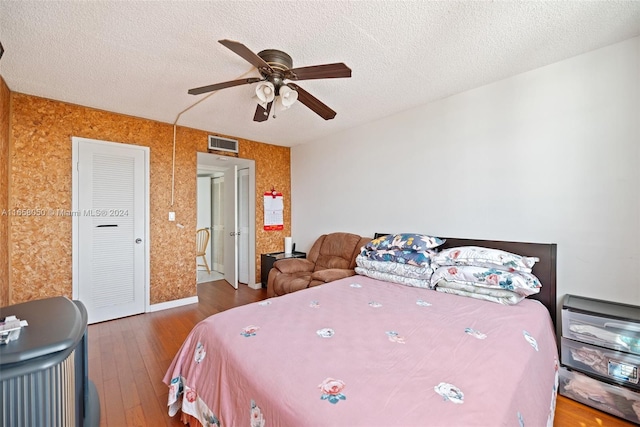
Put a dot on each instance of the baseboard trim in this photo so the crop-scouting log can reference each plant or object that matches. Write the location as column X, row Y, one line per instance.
column 172, row 304
column 256, row 286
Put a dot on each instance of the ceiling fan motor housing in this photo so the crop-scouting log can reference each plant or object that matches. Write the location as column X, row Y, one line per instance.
column 280, row 62
column 277, row 59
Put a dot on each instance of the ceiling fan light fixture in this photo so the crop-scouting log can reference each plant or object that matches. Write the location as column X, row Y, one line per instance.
column 266, row 92
column 287, row 97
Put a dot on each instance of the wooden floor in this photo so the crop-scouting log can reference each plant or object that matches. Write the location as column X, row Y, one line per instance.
column 128, row 358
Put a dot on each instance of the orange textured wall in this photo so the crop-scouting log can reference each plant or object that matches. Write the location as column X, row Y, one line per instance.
column 273, row 170
column 4, row 192
column 41, row 131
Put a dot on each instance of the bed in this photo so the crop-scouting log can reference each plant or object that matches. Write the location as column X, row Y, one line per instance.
column 362, row 352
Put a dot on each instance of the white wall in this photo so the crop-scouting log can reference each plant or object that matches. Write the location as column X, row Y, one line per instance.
column 549, row 156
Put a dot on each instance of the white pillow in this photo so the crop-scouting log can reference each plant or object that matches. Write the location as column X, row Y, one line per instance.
column 499, row 296
column 521, row 283
column 484, row 257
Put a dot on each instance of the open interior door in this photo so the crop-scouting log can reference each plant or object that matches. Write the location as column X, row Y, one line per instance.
column 231, row 230
column 243, row 225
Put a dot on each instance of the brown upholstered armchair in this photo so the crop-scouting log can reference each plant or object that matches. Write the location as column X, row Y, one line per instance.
column 332, row 257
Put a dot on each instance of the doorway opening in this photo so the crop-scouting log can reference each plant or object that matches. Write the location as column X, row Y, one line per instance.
column 210, row 206
column 226, row 207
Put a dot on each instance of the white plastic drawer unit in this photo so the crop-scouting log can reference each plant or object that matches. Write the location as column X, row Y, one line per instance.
column 605, row 324
column 619, row 401
column 612, row 365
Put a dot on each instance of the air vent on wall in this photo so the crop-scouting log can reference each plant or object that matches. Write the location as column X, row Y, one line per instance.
column 223, row 144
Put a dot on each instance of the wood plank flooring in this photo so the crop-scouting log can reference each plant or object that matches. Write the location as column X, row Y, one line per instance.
column 128, row 358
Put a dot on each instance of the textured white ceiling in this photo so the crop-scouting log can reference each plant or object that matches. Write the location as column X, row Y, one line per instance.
column 141, row 57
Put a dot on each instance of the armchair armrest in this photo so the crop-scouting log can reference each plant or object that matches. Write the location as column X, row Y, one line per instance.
column 331, row 274
column 293, row 265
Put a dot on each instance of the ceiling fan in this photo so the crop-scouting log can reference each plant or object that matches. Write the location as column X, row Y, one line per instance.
column 275, row 67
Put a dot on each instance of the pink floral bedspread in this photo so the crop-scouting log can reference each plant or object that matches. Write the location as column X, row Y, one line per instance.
column 362, row 352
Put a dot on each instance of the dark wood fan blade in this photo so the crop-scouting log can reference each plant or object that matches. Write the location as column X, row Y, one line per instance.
column 262, row 114
column 223, row 85
column 247, row 54
column 326, row 71
column 313, row 103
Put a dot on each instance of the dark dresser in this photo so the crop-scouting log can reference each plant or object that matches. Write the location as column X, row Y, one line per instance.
column 600, row 355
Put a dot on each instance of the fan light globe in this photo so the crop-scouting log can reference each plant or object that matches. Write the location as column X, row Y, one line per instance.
column 288, row 96
column 265, row 91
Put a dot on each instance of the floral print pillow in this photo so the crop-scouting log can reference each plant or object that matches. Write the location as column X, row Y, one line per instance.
column 404, row 242
column 415, row 258
column 521, row 283
column 484, row 257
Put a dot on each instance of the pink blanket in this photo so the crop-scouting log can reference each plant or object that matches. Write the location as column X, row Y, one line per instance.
column 362, row 352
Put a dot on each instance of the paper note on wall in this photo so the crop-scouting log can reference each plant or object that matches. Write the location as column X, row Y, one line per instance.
column 273, row 211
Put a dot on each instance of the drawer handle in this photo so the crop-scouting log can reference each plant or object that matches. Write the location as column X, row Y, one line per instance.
column 621, row 326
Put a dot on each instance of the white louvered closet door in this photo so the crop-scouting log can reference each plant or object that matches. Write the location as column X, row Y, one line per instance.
column 112, row 241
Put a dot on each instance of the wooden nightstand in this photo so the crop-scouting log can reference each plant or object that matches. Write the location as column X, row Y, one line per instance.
column 267, row 260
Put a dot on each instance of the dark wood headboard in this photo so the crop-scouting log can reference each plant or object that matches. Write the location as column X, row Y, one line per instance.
column 544, row 270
